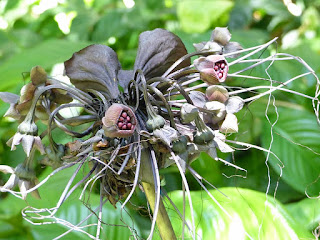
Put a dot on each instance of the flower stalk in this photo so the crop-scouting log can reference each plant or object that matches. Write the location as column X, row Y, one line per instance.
column 162, row 219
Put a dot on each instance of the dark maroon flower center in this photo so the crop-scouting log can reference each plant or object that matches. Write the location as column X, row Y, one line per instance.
column 124, row 121
column 219, row 68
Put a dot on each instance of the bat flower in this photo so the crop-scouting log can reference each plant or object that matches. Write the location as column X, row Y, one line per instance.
column 124, row 110
column 219, row 43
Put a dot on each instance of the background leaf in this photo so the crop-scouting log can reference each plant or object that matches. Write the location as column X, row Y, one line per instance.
column 45, row 54
column 296, row 138
column 251, row 213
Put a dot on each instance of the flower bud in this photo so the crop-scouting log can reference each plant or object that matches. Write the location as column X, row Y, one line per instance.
column 180, row 145
column 119, row 121
column 29, row 128
column 217, row 93
column 218, row 111
column 155, row 123
column 203, row 137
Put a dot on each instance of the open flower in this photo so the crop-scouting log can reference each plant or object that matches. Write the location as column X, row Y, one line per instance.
column 20, row 176
column 213, row 69
column 119, row 121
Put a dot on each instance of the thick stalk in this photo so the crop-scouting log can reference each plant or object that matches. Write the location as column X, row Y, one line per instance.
column 163, row 221
column 147, row 178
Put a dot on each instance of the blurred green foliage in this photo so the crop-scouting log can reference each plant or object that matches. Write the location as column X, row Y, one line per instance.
column 47, row 32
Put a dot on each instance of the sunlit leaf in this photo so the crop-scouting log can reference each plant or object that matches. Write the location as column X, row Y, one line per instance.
column 198, row 16
column 45, row 54
column 251, row 214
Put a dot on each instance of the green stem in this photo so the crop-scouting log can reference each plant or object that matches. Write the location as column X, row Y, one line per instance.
column 163, row 221
column 147, row 179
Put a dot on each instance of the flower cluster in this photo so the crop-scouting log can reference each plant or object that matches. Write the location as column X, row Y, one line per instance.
column 133, row 121
column 129, row 111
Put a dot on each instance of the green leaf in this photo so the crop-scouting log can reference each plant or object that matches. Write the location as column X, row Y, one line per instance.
column 199, row 16
column 250, row 214
column 306, row 212
column 45, row 54
column 296, row 138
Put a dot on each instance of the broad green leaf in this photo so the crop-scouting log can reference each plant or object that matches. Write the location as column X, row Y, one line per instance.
column 251, row 214
column 296, row 138
column 45, row 54
column 198, row 16
column 306, row 212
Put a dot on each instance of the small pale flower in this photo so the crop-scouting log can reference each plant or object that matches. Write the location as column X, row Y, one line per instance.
column 26, row 135
column 22, row 177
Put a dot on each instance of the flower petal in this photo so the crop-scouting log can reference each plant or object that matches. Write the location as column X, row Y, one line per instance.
column 124, row 77
column 232, row 47
column 6, row 169
column 94, row 67
column 38, row 145
column 167, row 135
column 158, row 50
column 11, row 183
column 220, row 35
column 9, row 97
column 27, row 143
column 198, row 98
column 234, row 104
column 14, row 141
column 230, row 124
column 220, row 143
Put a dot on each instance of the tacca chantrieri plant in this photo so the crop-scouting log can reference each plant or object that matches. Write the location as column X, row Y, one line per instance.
column 136, row 121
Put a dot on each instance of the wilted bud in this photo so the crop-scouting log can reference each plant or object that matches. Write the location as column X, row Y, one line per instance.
column 155, row 122
column 221, row 35
column 213, row 69
column 230, row 124
column 218, row 112
column 119, row 121
column 38, row 75
column 217, row 93
column 188, row 112
column 28, row 127
column 203, row 137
